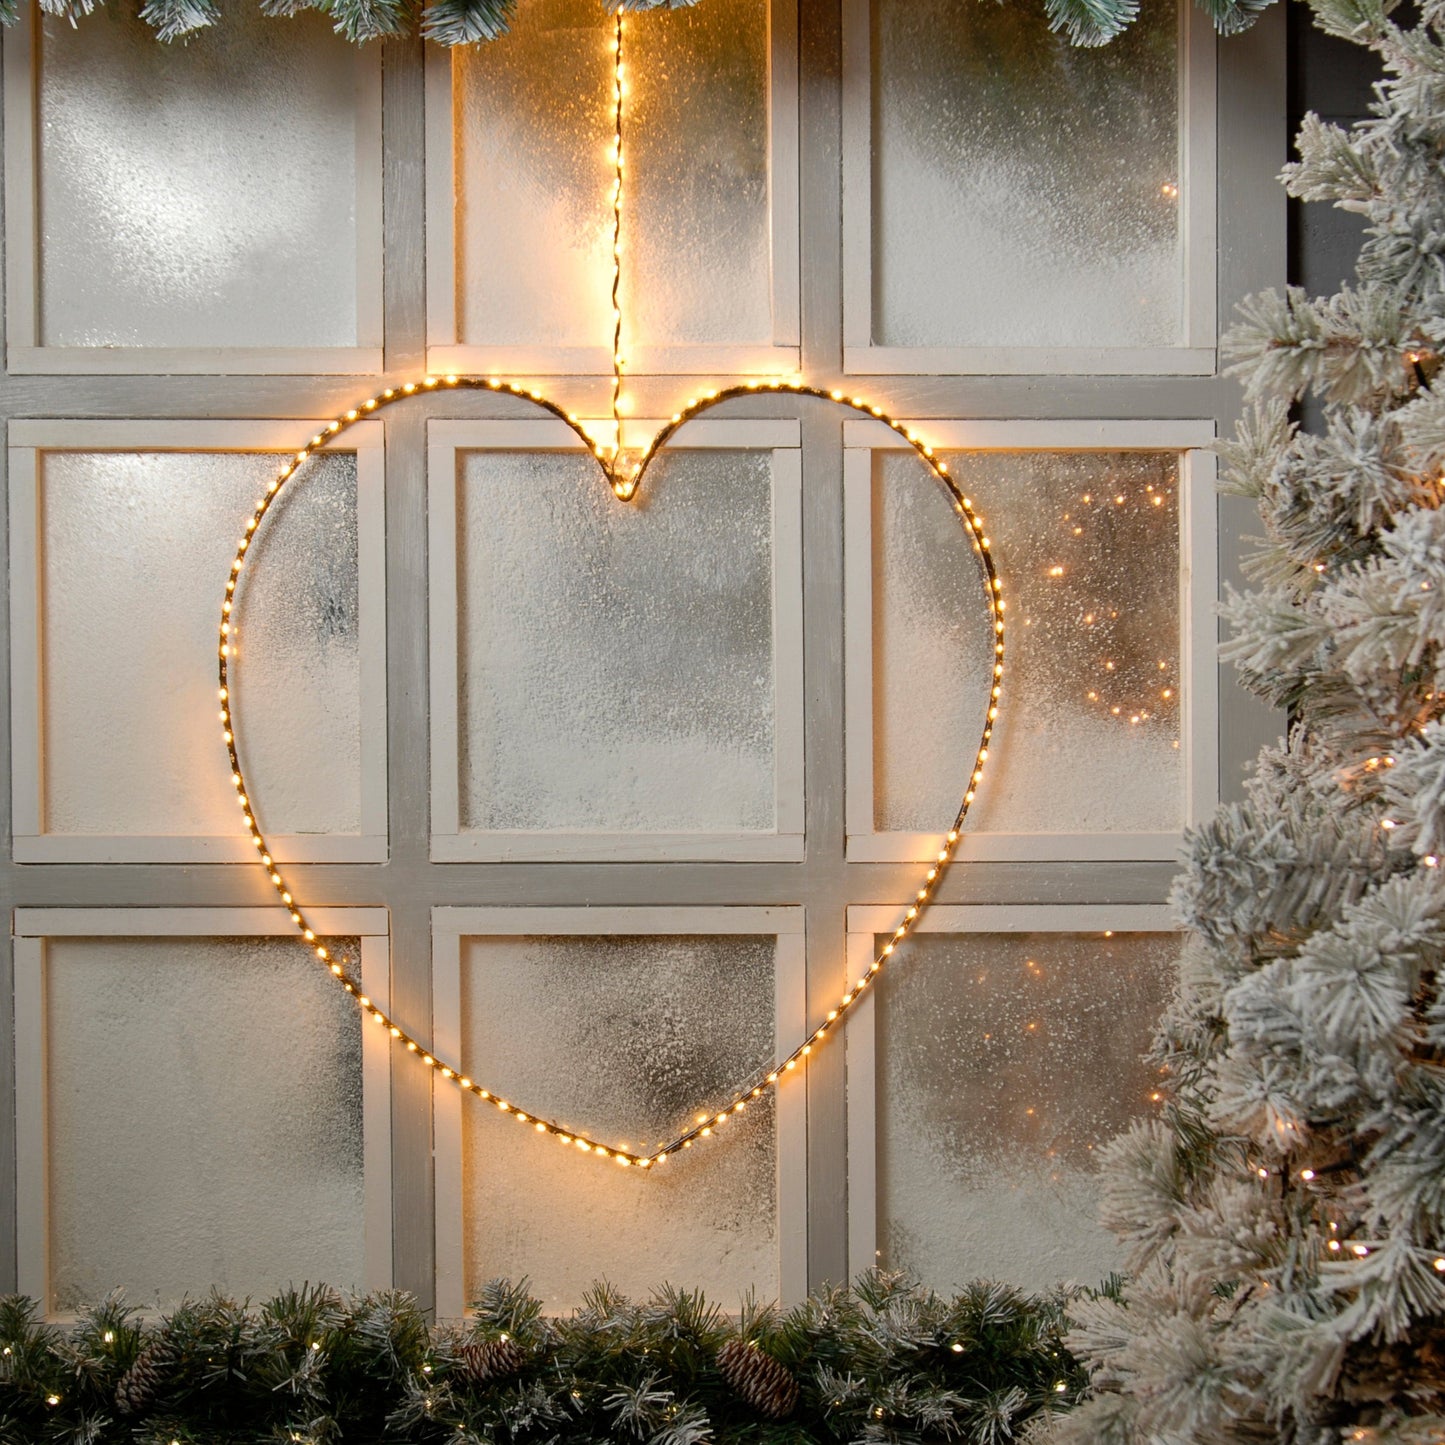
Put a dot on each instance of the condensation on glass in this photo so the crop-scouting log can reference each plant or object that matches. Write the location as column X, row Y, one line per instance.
column 1026, row 192
column 533, row 124
column 1005, row 1061
column 136, row 548
column 199, row 195
column 616, row 663
column 1088, row 738
column 229, row 1069
column 626, row 1037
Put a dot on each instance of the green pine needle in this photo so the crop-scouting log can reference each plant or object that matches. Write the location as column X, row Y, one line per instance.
column 310, row 1365
column 628, row 6
column 463, row 22
column 369, row 19
column 176, row 19
column 70, row 10
column 284, row 9
column 1232, row 16
column 1362, row 21
column 506, row 1308
column 1090, row 22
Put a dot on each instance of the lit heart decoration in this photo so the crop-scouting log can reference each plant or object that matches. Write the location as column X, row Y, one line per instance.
column 625, row 487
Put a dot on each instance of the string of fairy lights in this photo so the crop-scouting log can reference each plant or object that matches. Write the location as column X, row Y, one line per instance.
column 625, row 488
column 625, row 480
column 619, row 82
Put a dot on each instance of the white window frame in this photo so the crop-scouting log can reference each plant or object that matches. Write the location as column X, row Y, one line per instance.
column 1250, row 117
column 446, row 353
column 1196, row 354
column 28, row 441
column 865, row 923
column 34, row 926
column 25, row 352
column 1199, row 673
column 450, row 843
column 451, row 925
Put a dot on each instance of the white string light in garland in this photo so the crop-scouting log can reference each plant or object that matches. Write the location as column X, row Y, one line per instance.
column 625, row 483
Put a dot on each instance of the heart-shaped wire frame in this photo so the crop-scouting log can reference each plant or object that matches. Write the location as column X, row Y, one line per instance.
column 625, row 487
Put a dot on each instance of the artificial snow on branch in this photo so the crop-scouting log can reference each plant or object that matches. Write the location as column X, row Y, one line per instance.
column 1286, row 1216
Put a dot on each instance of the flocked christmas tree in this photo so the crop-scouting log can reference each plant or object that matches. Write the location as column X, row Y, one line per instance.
column 1287, row 1214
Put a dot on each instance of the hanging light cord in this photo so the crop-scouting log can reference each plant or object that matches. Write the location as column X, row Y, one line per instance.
column 622, row 488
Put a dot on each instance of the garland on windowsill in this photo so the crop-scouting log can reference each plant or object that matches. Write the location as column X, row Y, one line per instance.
column 883, row 1361
column 465, row 22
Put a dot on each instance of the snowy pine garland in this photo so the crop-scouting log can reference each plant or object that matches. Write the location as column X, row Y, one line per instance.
column 885, row 1361
column 1287, row 1216
column 464, row 22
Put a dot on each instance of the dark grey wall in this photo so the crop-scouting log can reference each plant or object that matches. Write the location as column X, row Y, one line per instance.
column 1333, row 79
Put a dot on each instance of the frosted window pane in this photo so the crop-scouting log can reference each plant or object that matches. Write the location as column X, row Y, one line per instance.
column 202, row 194
column 534, row 178
column 190, row 1146
column 150, row 536
column 1092, row 646
column 1005, row 1060
column 624, row 1037
column 616, row 666
column 1038, row 180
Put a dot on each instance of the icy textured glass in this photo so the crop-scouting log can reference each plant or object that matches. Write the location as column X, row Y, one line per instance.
column 625, row 1038
column 616, row 663
column 132, row 744
column 1026, row 192
column 202, row 194
column 1006, row 1060
column 533, row 123
column 1087, row 544
column 203, row 1119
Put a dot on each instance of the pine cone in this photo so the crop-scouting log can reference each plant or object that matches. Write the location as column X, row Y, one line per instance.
column 758, row 1378
column 484, row 1361
column 137, row 1389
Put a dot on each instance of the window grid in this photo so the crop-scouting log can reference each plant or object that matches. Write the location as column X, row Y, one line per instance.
column 30, row 443
column 1199, row 232
column 451, row 842
column 34, row 927
column 865, row 1234
column 27, row 351
column 452, row 925
column 447, row 352
column 864, row 442
column 409, row 886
